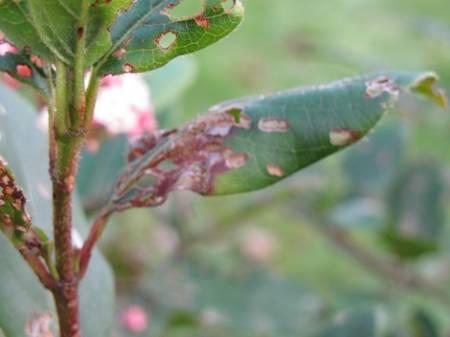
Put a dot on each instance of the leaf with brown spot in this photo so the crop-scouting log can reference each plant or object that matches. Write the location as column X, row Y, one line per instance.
column 139, row 32
column 251, row 143
column 21, row 67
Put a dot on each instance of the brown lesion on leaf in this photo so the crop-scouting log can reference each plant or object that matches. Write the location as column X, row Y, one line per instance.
column 342, row 136
column 15, row 221
column 275, row 170
column 228, row 5
column 382, row 84
column 273, row 124
column 166, row 40
column 202, row 21
column 128, row 68
column 186, row 159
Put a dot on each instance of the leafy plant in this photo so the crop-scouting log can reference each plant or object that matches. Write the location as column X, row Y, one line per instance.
column 238, row 146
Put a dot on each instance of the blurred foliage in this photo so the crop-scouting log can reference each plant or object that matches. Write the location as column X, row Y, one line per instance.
column 263, row 264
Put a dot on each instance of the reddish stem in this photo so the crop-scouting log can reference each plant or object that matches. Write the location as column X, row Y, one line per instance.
column 96, row 231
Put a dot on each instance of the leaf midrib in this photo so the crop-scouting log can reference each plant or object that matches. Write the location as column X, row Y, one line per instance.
column 128, row 33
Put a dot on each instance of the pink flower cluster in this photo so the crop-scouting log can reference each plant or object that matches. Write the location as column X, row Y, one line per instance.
column 124, row 106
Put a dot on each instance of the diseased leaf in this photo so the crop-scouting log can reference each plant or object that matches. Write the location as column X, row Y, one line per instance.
column 251, row 143
column 16, row 23
column 21, row 295
column 101, row 17
column 22, row 68
column 147, row 37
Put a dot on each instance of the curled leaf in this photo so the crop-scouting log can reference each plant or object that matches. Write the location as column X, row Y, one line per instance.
column 251, row 143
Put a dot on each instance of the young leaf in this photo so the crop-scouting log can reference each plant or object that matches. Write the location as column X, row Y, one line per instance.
column 147, row 37
column 251, row 143
column 16, row 23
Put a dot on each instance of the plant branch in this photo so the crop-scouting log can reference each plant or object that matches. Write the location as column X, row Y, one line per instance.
column 387, row 269
column 95, row 233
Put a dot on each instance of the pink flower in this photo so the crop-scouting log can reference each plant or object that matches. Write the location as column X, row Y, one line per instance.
column 134, row 319
column 5, row 48
column 124, row 106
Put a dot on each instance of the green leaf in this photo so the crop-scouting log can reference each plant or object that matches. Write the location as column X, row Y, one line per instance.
column 251, row 302
column 99, row 170
column 169, row 83
column 21, row 67
column 416, row 209
column 63, row 23
column 422, row 324
column 147, row 37
column 21, row 295
column 271, row 138
column 16, row 23
column 101, row 17
column 380, row 159
column 354, row 323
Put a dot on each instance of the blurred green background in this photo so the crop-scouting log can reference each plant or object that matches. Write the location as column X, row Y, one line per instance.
column 356, row 245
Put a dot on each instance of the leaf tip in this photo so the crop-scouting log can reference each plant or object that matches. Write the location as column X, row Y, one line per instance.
column 425, row 84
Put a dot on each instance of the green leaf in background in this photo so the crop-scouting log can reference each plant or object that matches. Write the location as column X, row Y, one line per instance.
column 255, row 303
column 16, row 23
column 416, row 210
column 355, row 323
column 167, row 84
column 147, row 37
column 370, row 166
column 423, row 325
column 21, row 295
column 99, row 170
column 251, row 143
column 21, row 67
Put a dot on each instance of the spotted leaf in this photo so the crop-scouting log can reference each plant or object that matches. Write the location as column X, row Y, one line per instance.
column 147, row 36
column 251, row 143
column 26, row 69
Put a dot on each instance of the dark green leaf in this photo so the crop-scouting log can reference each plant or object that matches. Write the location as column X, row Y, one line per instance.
column 416, row 207
column 16, row 23
column 253, row 302
column 63, row 23
column 423, row 325
column 356, row 323
column 277, row 135
column 147, row 37
column 21, row 295
column 370, row 166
